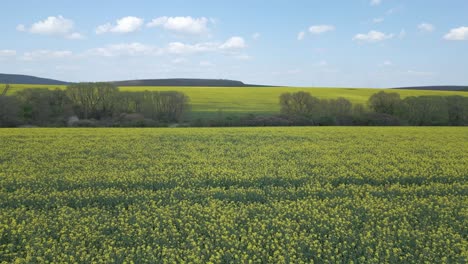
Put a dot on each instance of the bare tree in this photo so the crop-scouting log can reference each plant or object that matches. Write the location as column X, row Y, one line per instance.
column 93, row 99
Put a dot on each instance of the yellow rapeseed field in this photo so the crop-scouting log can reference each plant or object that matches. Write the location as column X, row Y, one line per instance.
column 234, row 195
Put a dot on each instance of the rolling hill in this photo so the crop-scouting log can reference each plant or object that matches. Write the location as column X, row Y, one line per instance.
column 436, row 88
column 27, row 79
column 185, row 82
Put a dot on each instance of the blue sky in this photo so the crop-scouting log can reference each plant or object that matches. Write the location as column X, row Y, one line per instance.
column 352, row 43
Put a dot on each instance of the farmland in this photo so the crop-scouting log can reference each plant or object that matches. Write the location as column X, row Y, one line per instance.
column 212, row 101
column 301, row 195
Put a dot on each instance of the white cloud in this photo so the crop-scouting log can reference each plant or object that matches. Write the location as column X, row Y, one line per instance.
column 125, row 49
column 319, row 29
column 231, row 47
column 7, row 53
column 46, row 54
column 52, row 26
column 233, row 43
column 103, row 28
column 378, row 20
column 425, row 27
column 124, row 25
column 182, row 48
column 373, row 36
column 460, row 33
column 375, row 2
column 301, row 35
column 181, row 24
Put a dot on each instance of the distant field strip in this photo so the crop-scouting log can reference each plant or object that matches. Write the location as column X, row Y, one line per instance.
column 234, row 195
column 208, row 101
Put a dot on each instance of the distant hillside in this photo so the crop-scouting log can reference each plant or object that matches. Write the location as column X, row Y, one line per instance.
column 26, row 79
column 437, row 88
column 185, row 83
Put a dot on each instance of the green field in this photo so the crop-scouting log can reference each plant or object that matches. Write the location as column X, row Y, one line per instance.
column 229, row 195
column 209, row 101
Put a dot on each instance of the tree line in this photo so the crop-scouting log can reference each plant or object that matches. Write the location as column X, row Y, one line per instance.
column 382, row 109
column 92, row 104
column 102, row 104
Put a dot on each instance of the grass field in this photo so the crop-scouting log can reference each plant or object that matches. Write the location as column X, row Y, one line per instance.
column 208, row 101
column 322, row 194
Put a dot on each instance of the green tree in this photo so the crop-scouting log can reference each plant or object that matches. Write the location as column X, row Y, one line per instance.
column 458, row 110
column 425, row 110
column 299, row 104
column 43, row 106
column 9, row 111
column 385, row 103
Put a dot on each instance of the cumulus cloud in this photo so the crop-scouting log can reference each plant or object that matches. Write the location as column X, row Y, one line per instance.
column 231, row 46
column 125, row 49
column 373, row 36
column 182, row 48
column 52, row 26
column 233, row 43
column 425, row 27
column 46, row 54
column 301, row 35
column 123, row 25
column 375, row 2
column 186, row 24
column 460, row 33
column 319, row 29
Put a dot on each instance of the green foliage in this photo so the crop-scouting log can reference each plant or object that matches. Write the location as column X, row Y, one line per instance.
column 42, row 106
column 9, row 111
column 246, row 195
column 385, row 103
column 426, row 110
column 299, row 103
column 319, row 112
column 238, row 101
column 457, row 110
